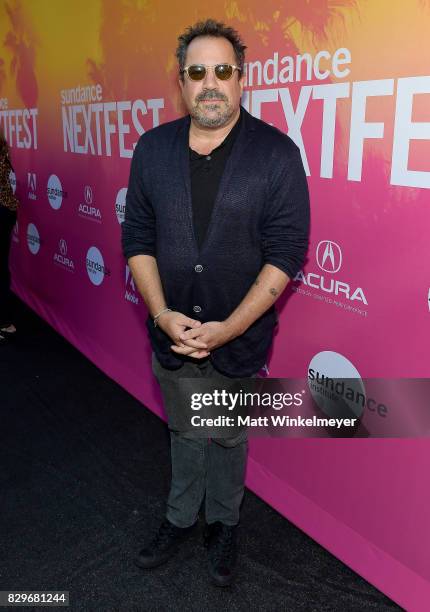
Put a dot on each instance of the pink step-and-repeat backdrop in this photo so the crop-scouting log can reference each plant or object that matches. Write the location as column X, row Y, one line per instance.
column 349, row 81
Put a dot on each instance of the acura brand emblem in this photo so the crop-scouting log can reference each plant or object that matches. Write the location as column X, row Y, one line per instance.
column 329, row 256
column 63, row 246
column 88, row 193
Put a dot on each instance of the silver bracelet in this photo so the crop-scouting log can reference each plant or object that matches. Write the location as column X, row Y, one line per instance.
column 159, row 315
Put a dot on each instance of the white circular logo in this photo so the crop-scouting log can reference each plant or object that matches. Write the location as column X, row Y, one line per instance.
column 329, row 256
column 336, row 385
column 33, row 239
column 54, row 192
column 12, row 180
column 95, row 266
column 120, row 204
column 88, row 195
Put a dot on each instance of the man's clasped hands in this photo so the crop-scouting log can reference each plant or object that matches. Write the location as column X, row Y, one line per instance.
column 192, row 337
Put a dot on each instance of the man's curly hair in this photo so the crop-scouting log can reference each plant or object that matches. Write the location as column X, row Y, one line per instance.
column 210, row 27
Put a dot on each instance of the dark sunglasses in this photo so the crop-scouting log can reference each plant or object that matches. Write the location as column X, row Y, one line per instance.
column 197, row 72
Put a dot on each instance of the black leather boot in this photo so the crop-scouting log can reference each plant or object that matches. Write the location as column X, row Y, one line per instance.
column 163, row 545
column 220, row 541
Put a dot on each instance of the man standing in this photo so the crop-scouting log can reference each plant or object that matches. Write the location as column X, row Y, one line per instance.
column 216, row 224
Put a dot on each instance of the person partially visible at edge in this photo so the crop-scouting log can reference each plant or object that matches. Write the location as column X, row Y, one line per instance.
column 8, row 212
column 216, row 224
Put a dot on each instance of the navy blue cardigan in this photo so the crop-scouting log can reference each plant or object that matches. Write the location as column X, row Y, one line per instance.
column 261, row 215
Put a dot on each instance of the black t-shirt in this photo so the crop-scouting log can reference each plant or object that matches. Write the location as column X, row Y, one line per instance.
column 206, row 172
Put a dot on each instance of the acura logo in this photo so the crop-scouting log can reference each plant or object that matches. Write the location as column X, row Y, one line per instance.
column 88, row 193
column 63, row 246
column 329, row 256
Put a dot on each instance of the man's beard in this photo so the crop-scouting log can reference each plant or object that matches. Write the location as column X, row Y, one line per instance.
column 224, row 110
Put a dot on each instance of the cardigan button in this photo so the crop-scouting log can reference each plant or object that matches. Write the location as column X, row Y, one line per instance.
column 198, row 268
column 197, row 308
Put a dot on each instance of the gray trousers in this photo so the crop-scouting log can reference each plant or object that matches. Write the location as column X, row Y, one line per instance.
column 215, row 466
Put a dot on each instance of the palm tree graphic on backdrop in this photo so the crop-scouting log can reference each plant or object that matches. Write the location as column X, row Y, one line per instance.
column 124, row 47
column 315, row 17
column 21, row 41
